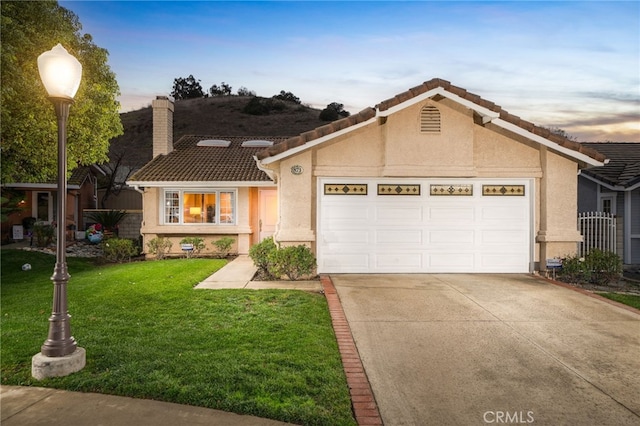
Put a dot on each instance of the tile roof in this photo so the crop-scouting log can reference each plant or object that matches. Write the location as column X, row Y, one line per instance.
column 368, row 113
column 191, row 163
column 623, row 168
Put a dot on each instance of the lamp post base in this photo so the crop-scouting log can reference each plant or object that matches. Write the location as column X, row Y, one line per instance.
column 43, row 367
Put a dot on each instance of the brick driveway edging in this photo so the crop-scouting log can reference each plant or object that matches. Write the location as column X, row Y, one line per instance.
column 363, row 402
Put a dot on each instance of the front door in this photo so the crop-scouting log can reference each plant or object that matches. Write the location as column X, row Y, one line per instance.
column 268, row 199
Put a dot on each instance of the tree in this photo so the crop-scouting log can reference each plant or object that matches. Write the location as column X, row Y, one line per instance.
column 29, row 124
column 333, row 111
column 243, row 91
column 287, row 96
column 187, row 88
column 223, row 90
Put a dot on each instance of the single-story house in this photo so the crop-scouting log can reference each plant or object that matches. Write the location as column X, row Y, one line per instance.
column 40, row 200
column 615, row 189
column 435, row 179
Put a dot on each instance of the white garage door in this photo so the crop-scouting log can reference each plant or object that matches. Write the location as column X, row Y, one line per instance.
column 423, row 225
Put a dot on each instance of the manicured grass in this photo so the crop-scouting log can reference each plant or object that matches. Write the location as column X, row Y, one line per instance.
column 148, row 334
column 627, row 299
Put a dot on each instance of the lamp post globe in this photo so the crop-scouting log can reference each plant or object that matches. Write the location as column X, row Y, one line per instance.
column 61, row 74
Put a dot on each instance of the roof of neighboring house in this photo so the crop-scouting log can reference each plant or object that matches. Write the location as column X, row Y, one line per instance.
column 623, row 168
column 459, row 93
column 189, row 162
column 78, row 176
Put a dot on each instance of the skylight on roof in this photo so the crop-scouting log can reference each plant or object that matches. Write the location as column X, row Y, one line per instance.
column 256, row 144
column 214, row 142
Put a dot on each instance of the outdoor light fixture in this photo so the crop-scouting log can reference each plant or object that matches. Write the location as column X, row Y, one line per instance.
column 60, row 73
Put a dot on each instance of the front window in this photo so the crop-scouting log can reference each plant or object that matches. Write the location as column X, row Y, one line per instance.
column 211, row 207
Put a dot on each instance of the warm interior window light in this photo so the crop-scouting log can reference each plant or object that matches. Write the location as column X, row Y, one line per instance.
column 257, row 143
column 214, row 142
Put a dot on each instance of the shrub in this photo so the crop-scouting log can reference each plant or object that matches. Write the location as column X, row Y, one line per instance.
column 198, row 245
column 294, row 262
column 159, row 246
column 259, row 253
column 597, row 267
column 44, row 233
column 119, row 249
column 255, row 107
column 223, row 245
column 604, row 266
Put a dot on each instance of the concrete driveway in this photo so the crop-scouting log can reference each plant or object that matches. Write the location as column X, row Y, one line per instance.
column 464, row 349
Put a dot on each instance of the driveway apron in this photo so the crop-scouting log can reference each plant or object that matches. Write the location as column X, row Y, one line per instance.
column 465, row 349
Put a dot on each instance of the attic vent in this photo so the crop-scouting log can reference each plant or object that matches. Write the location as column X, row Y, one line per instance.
column 429, row 119
column 257, row 144
column 214, row 142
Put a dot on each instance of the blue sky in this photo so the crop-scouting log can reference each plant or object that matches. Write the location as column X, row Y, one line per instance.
column 573, row 65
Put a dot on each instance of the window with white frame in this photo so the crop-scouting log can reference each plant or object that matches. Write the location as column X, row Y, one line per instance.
column 216, row 207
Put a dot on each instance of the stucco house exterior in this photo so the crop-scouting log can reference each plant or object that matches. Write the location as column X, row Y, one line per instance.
column 435, row 179
column 615, row 189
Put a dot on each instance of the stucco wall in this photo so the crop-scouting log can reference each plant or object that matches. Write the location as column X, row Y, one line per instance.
column 153, row 227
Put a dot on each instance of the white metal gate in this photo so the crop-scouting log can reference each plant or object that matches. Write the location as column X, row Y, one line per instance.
column 598, row 230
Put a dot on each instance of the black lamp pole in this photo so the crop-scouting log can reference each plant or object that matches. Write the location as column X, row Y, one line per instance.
column 60, row 342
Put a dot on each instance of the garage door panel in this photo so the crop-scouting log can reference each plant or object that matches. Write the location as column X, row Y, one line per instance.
column 451, row 262
column 504, row 212
column 502, row 262
column 450, row 214
column 451, row 237
column 347, row 236
column 393, row 215
column 389, row 262
column 399, row 237
column 351, row 262
column 517, row 237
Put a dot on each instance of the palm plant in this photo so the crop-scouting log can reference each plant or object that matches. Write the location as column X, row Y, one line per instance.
column 109, row 219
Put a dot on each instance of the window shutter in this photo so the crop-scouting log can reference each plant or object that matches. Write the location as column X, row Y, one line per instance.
column 429, row 119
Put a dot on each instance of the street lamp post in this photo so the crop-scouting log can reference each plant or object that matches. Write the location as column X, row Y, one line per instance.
column 60, row 355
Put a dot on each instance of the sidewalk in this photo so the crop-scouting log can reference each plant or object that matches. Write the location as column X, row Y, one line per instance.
column 239, row 272
column 42, row 406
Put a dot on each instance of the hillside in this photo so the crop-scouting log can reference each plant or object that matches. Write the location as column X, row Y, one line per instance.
column 214, row 116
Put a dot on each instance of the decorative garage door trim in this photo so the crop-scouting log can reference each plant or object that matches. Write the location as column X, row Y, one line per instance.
column 398, row 189
column 345, row 189
column 452, row 189
column 503, row 190
column 425, row 233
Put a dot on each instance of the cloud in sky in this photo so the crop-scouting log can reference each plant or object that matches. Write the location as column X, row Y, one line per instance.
column 574, row 65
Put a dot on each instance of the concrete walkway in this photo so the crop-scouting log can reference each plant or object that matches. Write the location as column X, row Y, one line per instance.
column 239, row 272
column 32, row 406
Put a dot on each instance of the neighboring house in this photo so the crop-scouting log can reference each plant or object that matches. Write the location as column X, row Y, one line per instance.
column 435, row 179
column 40, row 200
column 615, row 188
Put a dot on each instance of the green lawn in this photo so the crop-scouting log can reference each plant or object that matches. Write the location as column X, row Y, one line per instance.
column 148, row 334
column 627, row 299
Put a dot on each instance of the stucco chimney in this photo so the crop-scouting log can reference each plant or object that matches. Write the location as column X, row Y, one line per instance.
column 162, row 126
